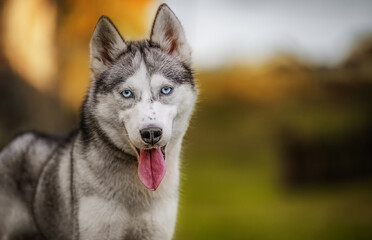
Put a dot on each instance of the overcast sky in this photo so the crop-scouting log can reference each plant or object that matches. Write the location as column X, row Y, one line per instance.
column 321, row 31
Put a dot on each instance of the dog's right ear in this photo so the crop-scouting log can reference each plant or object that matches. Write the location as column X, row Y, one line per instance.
column 106, row 44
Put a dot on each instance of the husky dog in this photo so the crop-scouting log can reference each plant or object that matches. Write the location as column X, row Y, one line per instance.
column 117, row 175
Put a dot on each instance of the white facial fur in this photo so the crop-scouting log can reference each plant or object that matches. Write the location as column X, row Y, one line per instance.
column 146, row 108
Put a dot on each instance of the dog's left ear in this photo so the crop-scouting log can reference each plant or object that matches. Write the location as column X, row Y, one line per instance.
column 167, row 31
column 106, row 44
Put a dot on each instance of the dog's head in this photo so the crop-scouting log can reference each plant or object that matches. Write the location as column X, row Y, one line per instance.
column 143, row 92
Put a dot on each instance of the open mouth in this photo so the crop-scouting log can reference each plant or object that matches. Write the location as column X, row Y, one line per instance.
column 162, row 149
column 151, row 167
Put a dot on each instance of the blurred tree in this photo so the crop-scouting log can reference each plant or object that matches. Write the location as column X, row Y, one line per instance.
column 28, row 40
column 23, row 106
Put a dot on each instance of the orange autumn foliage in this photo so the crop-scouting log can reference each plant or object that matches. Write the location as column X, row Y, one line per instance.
column 76, row 25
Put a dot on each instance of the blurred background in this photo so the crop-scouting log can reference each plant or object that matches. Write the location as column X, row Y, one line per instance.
column 280, row 145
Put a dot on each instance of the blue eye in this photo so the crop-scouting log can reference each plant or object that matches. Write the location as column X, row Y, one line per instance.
column 166, row 90
column 127, row 93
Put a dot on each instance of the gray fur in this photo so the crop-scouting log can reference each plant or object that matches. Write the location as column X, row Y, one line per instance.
column 157, row 61
column 85, row 186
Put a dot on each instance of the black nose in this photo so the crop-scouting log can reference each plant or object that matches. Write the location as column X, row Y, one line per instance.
column 151, row 135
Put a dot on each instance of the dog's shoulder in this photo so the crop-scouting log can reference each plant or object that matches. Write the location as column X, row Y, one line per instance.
column 30, row 144
column 28, row 139
column 26, row 154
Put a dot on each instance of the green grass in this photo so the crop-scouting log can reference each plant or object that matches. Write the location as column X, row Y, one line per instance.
column 231, row 189
column 239, row 202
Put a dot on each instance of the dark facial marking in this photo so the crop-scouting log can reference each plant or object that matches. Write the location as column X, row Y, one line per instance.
column 156, row 60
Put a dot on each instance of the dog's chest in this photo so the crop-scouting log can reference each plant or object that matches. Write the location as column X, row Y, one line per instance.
column 100, row 219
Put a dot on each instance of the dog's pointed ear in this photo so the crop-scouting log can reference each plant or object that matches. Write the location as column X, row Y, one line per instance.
column 167, row 31
column 105, row 45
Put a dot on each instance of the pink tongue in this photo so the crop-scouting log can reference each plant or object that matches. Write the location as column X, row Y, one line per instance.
column 151, row 168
